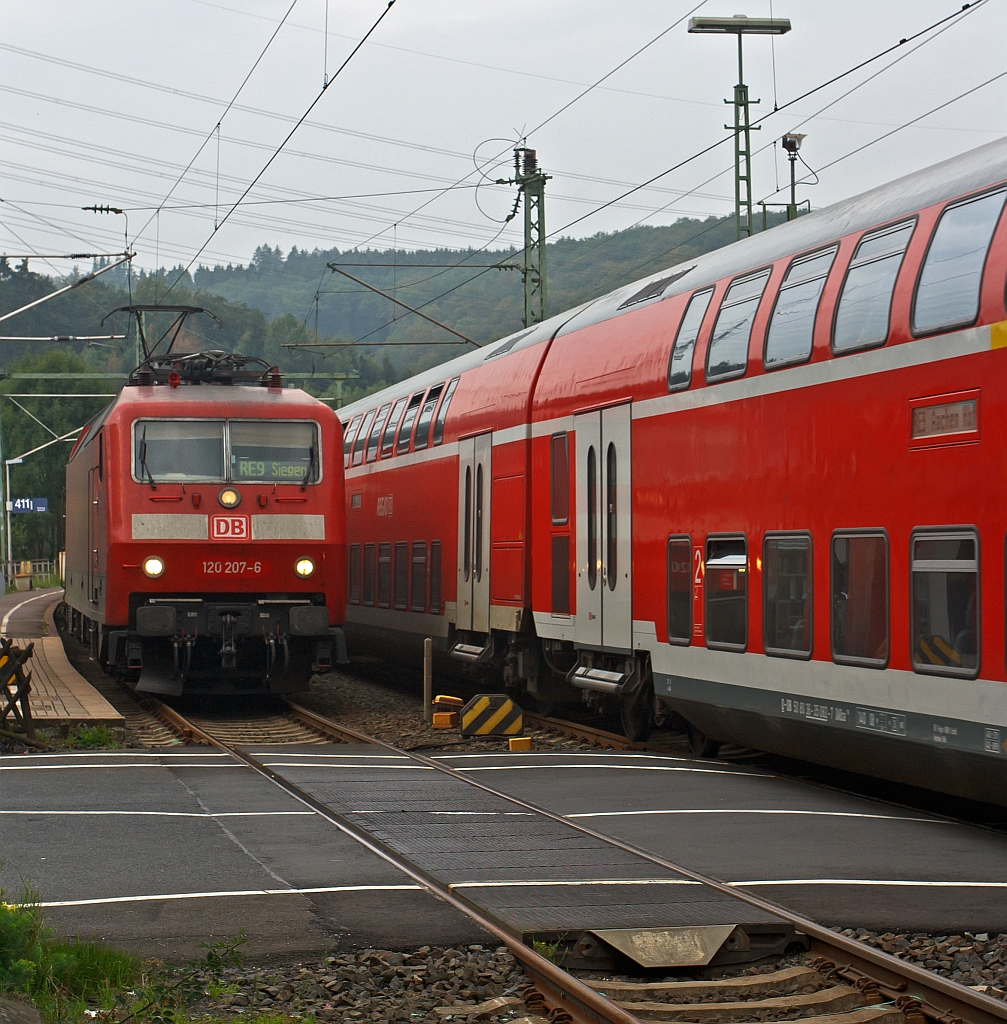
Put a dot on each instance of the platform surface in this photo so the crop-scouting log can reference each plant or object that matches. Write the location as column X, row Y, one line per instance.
column 59, row 695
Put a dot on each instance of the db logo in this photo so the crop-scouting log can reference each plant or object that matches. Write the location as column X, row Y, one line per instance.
column 229, row 528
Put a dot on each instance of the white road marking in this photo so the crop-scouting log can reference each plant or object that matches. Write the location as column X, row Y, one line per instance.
column 516, row 883
column 170, row 814
column 234, row 892
column 755, row 810
column 135, row 764
column 520, row 767
column 112, row 753
column 6, row 618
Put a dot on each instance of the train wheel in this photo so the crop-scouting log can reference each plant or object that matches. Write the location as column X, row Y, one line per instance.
column 701, row 744
column 638, row 713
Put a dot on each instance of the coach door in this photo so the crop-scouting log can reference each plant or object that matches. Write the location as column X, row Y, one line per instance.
column 604, row 548
column 474, row 479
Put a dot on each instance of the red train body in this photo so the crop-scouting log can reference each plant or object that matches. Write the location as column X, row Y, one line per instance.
column 760, row 491
column 205, row 537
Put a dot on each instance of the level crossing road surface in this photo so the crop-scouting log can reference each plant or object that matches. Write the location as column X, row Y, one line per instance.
column 157, row 851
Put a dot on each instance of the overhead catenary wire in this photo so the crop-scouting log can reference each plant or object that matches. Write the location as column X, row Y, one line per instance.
column 279, row 149
column 958, row 14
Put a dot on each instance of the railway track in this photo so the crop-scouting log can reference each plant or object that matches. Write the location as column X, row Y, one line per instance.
column 840, row 982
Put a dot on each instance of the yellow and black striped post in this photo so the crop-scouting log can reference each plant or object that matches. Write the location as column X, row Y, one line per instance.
column 492, row 714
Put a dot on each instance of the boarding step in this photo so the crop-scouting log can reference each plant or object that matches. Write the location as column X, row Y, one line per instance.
column 472, row 654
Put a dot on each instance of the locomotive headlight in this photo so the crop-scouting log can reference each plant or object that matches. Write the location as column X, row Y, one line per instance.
column 153, row 566
column 304, row 567
column 229, row 497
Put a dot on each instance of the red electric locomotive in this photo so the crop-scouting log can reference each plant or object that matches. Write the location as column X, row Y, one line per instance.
column 205, row 529
column 757, row 494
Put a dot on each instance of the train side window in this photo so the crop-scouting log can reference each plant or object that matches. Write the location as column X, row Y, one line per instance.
column 101, row 455
column 354, row 596
column 592, row 518
column 786, row 595
column 559, row 478
column 348, row 434
column 372, row 441
column 369, row 574
column 728, row 353
column 948, row 291
column 384, row 575
column 400, row 591
column 560, row 574
column 477, row 554
column 611, row 520
column 792, row 324
column 680, row 590
column 860, row 598
column 680, row 362
column 435, row 577
column 406, row 429
column 726, row 593
column 362, row 435
column 442, row 413
column 388, row 438
column 423, row 424
column 418, row 589
column 865, row 301
column 945, row 602
column 467, row 558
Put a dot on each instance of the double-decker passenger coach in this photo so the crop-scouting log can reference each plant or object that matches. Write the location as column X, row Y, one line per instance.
column 758, row 494
column 205, row 530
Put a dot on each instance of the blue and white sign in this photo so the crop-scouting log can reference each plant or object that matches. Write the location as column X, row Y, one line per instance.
column 28, row 505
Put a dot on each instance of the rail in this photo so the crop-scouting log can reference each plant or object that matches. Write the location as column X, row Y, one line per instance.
column 916, row 992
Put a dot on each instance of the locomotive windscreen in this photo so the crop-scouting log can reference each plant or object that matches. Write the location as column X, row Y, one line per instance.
column 268, row 450
column 256, row 451
column 177, row 450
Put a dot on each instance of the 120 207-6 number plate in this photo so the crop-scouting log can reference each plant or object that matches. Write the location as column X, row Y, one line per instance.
column 232, row 567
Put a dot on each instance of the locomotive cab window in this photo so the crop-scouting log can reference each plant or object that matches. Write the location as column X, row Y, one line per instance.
column 866, row 299
column 679, row 590
column 173, row 451
column 728, row 353
column 680, row 363
column 948, row 291
column 945, row 603
column 860, row 598
column 726, row 593
column 274, row 451
column 792, row 325
column 786, row 598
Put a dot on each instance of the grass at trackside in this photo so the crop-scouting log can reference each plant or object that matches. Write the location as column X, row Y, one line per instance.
column 66, row 978
column 86, row 737
column 61, row 978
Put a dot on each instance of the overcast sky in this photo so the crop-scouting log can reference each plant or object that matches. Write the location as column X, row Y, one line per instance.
column 107, row 102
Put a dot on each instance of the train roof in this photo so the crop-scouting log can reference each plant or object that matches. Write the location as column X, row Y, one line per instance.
column 968, row 172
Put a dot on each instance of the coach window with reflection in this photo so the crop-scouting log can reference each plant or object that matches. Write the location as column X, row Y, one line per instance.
column 792, row 326
column 679, row 590
column 860, row 598
column 680, row 363
column 945, row 603
column 726, row 593
column 866, row 299
column 948, row 292
column 786, row 598
column 728, row 353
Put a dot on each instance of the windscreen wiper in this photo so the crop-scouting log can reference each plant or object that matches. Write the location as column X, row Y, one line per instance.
column 312, row 465
column 143, row 461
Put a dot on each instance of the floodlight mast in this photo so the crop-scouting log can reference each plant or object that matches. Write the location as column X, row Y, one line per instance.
column 741, row 25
